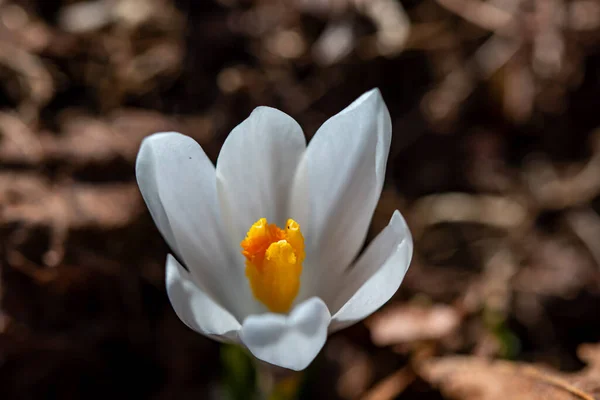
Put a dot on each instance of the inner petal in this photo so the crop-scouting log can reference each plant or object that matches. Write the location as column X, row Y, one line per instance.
column 274, row 259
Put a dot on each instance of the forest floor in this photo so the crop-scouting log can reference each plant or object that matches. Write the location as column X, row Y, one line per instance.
column 495, row 163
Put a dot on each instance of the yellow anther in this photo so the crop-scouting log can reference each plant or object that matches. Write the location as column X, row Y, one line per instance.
column 274, row 263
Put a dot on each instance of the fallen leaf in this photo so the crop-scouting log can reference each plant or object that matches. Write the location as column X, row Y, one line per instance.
column 470, row 378
column 408, row 323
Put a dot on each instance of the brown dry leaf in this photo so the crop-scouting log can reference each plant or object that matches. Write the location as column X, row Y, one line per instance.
column 554, row 188
column 31, row 83
column 557, row 267
column 391, row 386
column 588, row 379
column 470, row 378
column 408, row 323
column 356, row 368
column 500, row 212
column 18, row 143
column 85, row 139
column 29, row 199
column 393, row 27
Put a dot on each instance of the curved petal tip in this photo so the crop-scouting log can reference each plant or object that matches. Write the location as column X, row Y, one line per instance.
column 376, row 276
column 289, row 341
column 195, row 308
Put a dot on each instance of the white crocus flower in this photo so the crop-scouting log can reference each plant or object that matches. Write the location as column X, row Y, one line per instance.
column 279, row 292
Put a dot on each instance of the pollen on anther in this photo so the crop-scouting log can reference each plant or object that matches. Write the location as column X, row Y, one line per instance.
column 274, row 259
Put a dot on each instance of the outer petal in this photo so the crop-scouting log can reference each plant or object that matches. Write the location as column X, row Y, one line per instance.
column 291, row 341
column 195, row 308
column 338, row 184
column 178, row 183
column 376, row 276
column 255, row 170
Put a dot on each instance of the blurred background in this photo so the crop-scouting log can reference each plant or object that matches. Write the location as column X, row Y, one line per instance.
column 495, row 163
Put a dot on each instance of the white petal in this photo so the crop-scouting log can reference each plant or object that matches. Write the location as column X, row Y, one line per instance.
column 290, row 341
column 195, row 308
column 376, row 276
column 178, row 183
column 255, row 170
column 338, row 184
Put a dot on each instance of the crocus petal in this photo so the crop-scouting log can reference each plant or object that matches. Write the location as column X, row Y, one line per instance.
column 255, row 170
column 290, row 341
column 376, row 276
column 195, row 308
column 338, row 184
column 178, row 183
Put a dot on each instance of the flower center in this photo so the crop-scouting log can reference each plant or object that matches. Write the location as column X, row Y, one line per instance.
column 274, row 263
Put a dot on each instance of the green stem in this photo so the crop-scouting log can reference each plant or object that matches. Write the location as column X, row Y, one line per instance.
column 272, row 382
column 265, row 381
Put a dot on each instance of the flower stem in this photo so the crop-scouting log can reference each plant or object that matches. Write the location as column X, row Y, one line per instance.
column 275, row 383
column 265, row 381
